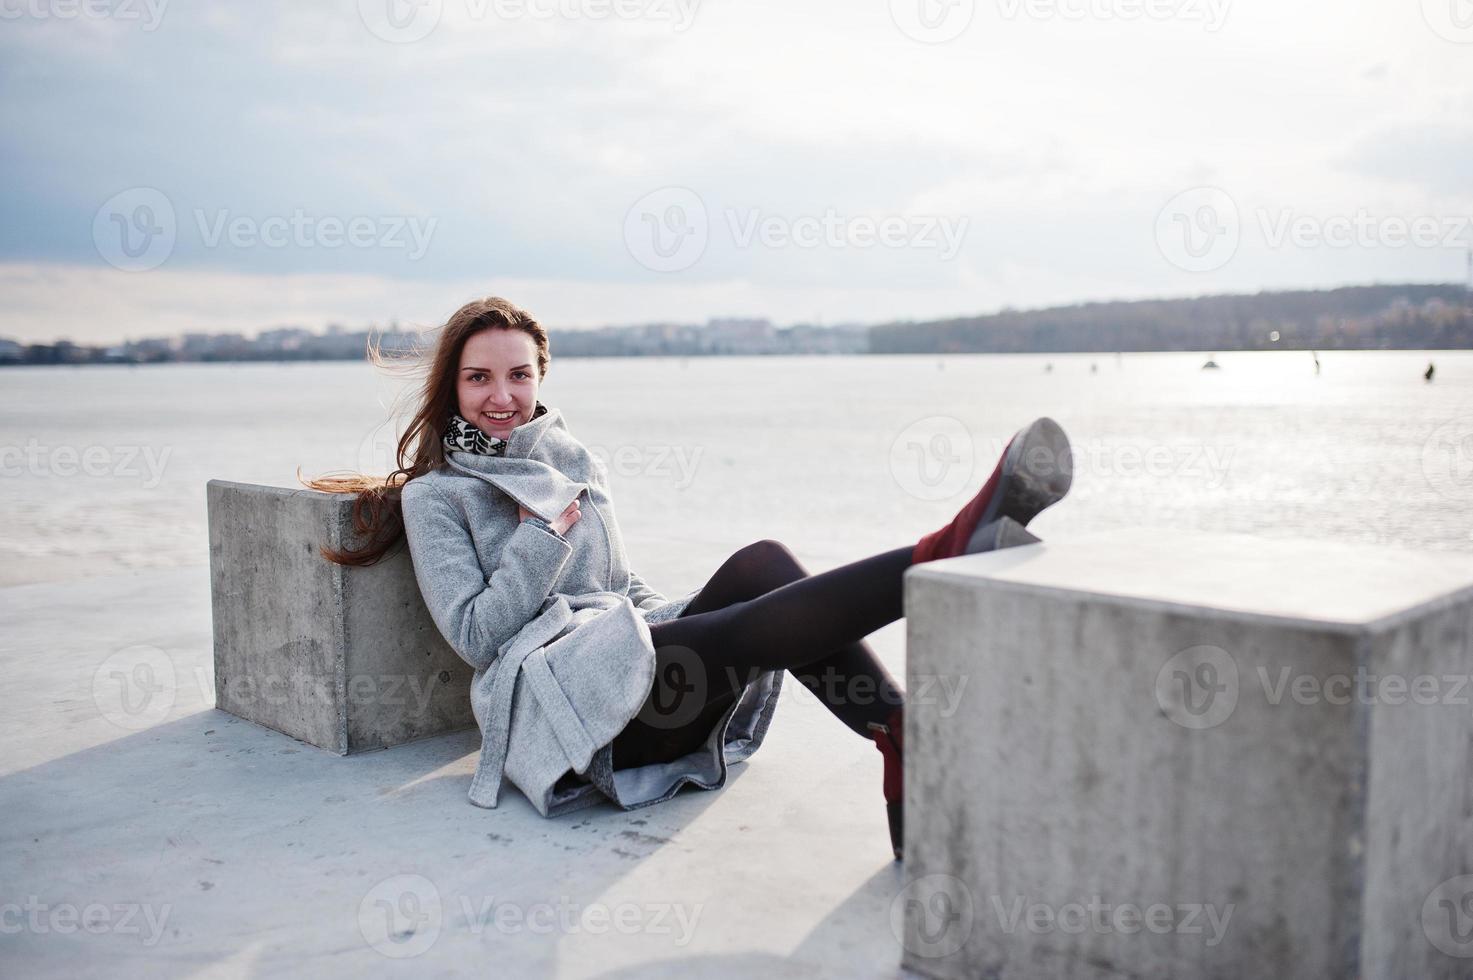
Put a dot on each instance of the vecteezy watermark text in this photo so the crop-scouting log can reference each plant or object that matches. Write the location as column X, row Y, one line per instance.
column 407, row 21
column 1211, row 13
column 301, row 230
column 1363, row 229
column 150, row 13
column 651, row 461
column 35, row 459
column 1101, row 917
column 939, row 21
column 1363, row 687
column 669, row 229
column 97, row 918
column 403, row 916
column 832, row 230
column 934, row 458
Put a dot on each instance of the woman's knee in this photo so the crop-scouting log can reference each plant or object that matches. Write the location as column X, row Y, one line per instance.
column 773, row 558
column 751, row 571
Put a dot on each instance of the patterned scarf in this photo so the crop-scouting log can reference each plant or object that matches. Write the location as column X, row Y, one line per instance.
column 461, row 436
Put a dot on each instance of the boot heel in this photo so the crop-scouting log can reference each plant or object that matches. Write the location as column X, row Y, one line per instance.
column 889, row 738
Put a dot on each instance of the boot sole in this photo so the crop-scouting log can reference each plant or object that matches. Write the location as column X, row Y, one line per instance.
column 1036, row 473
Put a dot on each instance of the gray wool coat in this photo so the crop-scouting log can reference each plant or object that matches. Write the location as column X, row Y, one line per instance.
column 556, row 627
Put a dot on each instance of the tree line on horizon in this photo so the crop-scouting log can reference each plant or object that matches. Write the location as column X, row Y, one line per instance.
column 1405, row 317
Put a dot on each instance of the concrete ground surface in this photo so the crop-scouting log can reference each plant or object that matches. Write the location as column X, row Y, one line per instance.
column 148, row 834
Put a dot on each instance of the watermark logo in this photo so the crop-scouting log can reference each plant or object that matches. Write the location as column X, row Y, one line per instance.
column 680, row 690
column 933, row 458
column 1198, row 687
column 932, row 21
column 135, row 687
column 135, row 230
column 667, row 229
column 1199, row 229
column 401, row 916
column 1451, row 20
column 378, row 451
column 1447, row 459
column 1447, row 916
column 933, row 915
column 400, row 21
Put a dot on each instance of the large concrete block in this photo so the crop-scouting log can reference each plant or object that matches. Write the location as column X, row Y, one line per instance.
column 1190, row 756
column 347, row 659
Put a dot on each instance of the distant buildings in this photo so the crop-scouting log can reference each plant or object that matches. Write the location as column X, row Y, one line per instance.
column 292, row 343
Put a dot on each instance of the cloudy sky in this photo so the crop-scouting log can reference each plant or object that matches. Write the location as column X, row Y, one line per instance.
column 183, row 165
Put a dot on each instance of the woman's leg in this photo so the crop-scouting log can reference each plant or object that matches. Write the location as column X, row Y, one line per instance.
column 800, row 622
column 811, row 625
column 851, row 681
column 705, row 657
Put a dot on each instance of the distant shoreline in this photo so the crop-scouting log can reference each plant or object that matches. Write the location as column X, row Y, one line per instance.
column 1411, row 316
column 774, row 356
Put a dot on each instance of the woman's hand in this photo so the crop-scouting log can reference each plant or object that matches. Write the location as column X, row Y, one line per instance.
column 567, row 519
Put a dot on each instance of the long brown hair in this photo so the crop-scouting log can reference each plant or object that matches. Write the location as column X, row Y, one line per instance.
column 377, row 516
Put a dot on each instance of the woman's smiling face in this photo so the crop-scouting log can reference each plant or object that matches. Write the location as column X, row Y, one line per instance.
column 497, row 376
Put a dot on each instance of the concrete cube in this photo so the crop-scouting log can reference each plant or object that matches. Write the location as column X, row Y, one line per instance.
column 1152, row 754
column 345, row 658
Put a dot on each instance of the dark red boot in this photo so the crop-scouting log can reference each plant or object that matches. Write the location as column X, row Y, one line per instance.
column 1035, row 471
column 889, row 737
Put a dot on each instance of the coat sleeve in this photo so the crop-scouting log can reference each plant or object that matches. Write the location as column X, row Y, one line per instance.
column 642, row 595
column 477, row 613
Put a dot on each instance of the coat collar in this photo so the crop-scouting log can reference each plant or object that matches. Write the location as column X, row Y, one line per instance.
column 523, row 472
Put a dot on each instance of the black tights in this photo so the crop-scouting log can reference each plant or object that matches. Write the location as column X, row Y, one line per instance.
column 763, row 611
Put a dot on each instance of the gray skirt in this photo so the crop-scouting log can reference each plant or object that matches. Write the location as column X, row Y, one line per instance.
column 733, row 738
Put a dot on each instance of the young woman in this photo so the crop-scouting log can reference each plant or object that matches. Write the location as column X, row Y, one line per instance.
column 588, row 684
